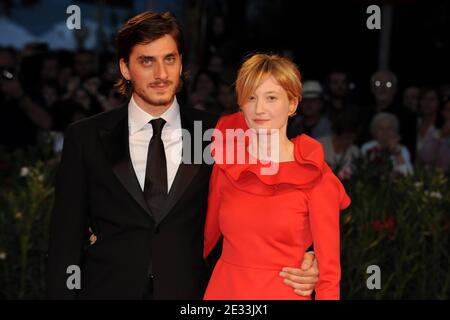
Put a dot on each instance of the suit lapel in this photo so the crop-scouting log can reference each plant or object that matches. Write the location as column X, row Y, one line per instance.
column 186, row 171
column 115, row 140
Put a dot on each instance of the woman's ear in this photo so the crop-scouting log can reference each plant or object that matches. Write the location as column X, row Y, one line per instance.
column 293, row 104
column 124, row 69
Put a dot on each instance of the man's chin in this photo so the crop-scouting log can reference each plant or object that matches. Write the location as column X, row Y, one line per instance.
column 158, row 101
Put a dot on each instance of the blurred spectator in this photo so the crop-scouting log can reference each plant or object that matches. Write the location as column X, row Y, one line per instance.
column 384, row 86
column 384, row 128
column 204, row 91
column 339, row 147
column 84, row 64
column 435, row 151
column 336, row 95
column 429, row 102
column 226, row 98
column 218, row 39
column 22, row 116
column 310, row 121
column 410, row 99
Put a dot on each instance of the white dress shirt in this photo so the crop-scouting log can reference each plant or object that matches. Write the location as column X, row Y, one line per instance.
column 140, row 133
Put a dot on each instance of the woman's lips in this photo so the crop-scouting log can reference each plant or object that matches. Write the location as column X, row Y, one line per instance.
column 260, row 121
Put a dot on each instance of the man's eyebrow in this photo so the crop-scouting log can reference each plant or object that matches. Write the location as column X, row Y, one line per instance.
column 141, row 57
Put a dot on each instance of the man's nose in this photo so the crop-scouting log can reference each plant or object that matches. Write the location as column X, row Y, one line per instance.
column 160, row 71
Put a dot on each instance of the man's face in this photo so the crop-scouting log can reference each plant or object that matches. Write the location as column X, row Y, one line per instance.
column 383, row 87
column 154, row 70
column 411, row 98
column 338, row 84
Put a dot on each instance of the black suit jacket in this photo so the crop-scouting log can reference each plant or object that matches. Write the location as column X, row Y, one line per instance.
column 96, row 186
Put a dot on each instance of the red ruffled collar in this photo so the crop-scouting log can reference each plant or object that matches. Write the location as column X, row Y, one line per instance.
column 304, row 172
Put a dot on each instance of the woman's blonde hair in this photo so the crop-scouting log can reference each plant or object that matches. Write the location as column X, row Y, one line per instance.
column 258, row 67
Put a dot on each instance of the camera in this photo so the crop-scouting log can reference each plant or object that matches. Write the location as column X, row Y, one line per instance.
column 7, row 74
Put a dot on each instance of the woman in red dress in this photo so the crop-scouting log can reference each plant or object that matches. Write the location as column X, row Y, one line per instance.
column 270, row 197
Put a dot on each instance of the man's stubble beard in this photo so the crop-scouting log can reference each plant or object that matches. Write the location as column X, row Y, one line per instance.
column 141, row 93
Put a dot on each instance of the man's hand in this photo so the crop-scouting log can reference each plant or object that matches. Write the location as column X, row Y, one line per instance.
column 302, row 280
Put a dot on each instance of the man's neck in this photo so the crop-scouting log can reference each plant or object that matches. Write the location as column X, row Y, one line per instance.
column 152, row 110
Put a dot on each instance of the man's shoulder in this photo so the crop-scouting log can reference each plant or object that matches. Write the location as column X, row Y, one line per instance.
column 97, row 121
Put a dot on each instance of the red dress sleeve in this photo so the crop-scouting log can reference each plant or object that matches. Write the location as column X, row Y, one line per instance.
column 212, row 229
column 326, row 200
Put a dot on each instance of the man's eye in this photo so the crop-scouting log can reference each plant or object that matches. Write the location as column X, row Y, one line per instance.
column 146, row 61
column 170, row 60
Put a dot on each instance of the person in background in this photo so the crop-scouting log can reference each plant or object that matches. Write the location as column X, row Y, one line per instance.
column 410, row 98
column 384, row 128
column 435, row 151
column 310, row 119
column 339, row 147
column 336, row 96
column 429, row 103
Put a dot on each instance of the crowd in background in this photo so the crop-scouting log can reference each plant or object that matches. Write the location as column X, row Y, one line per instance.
column 44, row 91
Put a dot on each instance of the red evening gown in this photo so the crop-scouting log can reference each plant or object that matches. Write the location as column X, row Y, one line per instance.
column 269, row 221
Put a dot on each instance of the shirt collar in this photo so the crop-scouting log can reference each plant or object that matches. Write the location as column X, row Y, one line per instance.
column 138, row 118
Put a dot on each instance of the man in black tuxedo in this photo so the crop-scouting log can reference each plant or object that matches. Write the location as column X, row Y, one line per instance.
column 127, row 175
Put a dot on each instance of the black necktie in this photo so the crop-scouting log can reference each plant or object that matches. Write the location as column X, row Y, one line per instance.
column 155, row 187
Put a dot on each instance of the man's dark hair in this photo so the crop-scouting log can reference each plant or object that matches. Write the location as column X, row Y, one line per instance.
column 142, row 29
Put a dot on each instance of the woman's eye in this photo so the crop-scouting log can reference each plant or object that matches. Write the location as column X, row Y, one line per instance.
column 251, row 98
column 271, row 98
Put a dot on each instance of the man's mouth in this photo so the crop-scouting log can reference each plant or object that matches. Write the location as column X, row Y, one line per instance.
column 161, row 85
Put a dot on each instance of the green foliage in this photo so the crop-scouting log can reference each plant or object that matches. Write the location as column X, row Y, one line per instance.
column 401, row 224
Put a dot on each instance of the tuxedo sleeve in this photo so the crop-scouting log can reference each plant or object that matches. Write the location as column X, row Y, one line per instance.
column 326, row 201
column 69, row 219
column 212, row 228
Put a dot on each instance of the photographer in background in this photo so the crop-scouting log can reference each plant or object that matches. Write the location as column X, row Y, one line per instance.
column 21, row 116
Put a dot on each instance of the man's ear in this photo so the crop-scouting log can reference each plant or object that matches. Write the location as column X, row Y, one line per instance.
column 124, row 69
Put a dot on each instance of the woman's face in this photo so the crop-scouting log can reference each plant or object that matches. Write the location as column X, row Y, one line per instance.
column 268, row 107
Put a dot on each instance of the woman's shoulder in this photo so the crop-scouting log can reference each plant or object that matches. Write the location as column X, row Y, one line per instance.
column 308, row 150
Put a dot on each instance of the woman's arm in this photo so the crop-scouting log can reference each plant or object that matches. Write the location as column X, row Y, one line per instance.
column 326, row 201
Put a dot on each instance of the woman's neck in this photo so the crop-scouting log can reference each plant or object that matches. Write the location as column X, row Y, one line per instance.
column 274, row 147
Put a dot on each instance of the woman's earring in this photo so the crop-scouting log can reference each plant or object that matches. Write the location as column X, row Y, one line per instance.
column 293, row 114
column 128, row 81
